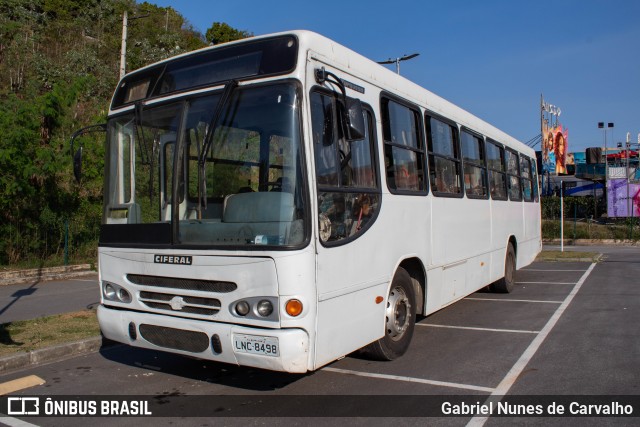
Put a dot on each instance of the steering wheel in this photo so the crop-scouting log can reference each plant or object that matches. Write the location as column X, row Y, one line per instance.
column 270, row 186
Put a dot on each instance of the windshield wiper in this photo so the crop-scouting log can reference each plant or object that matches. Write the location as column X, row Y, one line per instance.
column 146, row 158
column 208, row 140
column 142, row 143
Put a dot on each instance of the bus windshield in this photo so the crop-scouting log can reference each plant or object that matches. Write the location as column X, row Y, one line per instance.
column 171, row 180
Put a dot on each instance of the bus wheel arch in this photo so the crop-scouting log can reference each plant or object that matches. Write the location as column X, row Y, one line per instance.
column 514, row 243
column 416, row 270
column 400, row 317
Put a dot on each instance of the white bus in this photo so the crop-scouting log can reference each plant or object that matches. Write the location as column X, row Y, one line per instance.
column 281, row 201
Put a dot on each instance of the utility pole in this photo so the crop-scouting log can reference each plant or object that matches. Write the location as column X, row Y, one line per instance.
column 123, row 46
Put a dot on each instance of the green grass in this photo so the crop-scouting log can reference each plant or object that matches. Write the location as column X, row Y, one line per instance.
column 29, row 335
column 590, row 230
column 567, row 256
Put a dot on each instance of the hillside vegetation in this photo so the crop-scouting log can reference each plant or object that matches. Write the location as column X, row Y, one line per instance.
column 59, row 64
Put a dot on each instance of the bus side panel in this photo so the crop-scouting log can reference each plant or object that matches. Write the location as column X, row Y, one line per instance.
column 506, row 220
column 348, row 322
column 532, row 244
column 460, row 246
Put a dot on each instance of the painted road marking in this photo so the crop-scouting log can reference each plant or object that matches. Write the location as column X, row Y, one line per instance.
column 14, row 422
column 20, row 384
column 513, row 300
column 478, row 329
column 545, row 283
column 408, row 379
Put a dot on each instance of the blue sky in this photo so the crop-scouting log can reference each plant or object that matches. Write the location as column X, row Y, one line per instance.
column 493, row 58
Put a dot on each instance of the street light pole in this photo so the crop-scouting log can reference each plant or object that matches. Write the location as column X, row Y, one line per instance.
column 628, row 147
column 606, row 161
column 397, row 61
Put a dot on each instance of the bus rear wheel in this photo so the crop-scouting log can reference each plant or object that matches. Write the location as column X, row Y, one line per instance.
column 400, row 319
column 506, row 284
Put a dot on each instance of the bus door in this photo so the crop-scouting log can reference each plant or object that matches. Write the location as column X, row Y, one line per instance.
column 348, row 200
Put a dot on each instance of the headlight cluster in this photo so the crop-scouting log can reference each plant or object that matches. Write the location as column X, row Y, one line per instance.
column 263, row 308
column 117, row 293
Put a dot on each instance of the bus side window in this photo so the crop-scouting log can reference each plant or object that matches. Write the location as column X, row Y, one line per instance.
column 513, row 171
column 525, row 174
column 534, row 176
column 444, row 157
column 497, row 173
column 475, row 170
column 403, row 150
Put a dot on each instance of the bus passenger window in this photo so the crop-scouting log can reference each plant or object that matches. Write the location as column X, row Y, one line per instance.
column 475, row 171
column 497, row 173
column 444, row 158
column 404, row 153
column 527, row 184
column 534, row 176
column 513, row 170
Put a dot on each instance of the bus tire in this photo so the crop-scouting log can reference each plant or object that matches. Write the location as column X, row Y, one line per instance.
column 400, row 319
column 506, row 284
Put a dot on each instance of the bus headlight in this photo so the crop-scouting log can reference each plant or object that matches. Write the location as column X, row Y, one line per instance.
column 109, row 292
column 243, row 308
column 124, row 295
column 256, row 308
column 264, row 308
column 116, row 293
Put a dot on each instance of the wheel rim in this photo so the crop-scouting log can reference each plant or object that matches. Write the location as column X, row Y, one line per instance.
column 398, row 313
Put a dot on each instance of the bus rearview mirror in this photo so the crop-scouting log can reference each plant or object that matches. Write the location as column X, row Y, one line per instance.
column 356, row 119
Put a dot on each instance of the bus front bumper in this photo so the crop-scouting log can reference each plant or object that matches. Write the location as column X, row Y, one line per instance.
column 275, row 349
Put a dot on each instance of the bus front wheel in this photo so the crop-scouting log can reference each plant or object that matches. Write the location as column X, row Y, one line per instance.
column 400, row 319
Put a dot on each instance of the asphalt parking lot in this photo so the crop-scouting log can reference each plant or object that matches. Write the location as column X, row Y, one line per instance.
column 567, row 332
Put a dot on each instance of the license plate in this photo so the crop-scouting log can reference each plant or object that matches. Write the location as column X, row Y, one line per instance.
column 253, row 344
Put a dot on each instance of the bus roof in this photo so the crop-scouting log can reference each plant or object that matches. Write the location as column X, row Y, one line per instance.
column 370, row 71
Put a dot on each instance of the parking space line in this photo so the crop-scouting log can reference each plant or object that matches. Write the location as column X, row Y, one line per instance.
column 503, row 388
column 545, row 283
column 513, row 300
column 477, row 329
column 408, row 379
column 540, row 269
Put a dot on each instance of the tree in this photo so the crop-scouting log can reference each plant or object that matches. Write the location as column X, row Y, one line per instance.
column 58, row 69
column 221, row 32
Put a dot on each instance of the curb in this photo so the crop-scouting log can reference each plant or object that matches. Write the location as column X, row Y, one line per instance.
column 50, row 354
column 18, row 277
